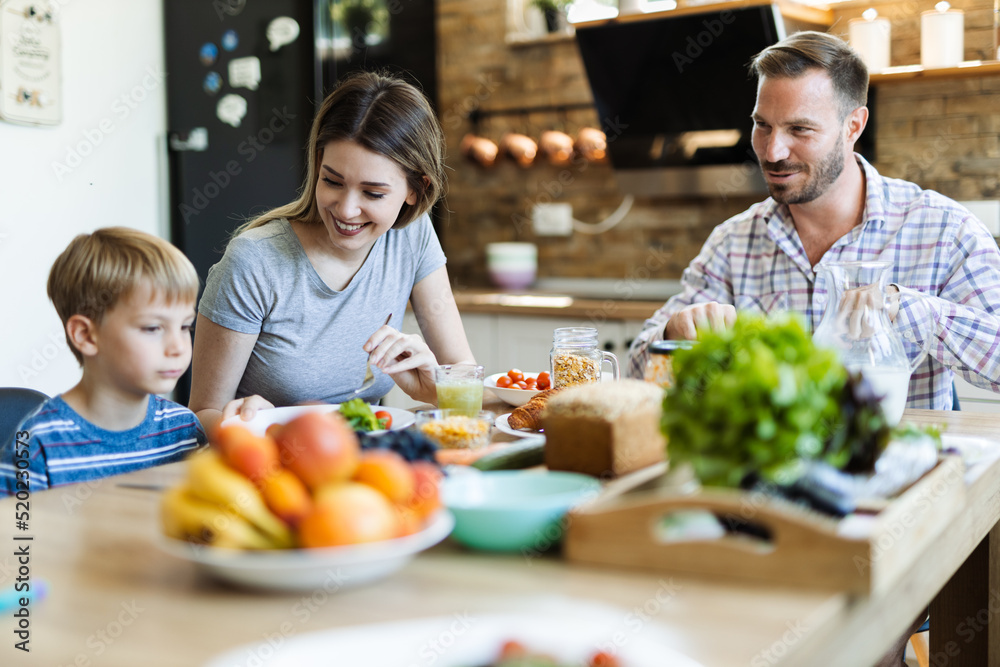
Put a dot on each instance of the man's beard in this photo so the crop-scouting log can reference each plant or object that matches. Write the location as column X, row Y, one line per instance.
column 822, row 177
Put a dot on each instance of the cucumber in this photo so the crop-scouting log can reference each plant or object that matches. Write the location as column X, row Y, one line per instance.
column 518, row 455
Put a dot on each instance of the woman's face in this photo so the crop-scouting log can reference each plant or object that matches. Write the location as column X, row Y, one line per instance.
column 359, row 194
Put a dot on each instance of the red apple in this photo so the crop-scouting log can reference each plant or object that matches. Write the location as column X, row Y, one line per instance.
column 318, row 447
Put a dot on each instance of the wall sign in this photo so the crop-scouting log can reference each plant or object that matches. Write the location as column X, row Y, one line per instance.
column 30, row 63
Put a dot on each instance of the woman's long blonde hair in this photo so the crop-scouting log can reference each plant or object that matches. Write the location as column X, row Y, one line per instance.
column 386, row 115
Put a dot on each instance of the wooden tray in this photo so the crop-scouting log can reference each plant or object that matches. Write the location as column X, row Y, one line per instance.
column 863, row 554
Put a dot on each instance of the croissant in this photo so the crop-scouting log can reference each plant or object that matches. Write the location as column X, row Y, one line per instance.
column 529, row 415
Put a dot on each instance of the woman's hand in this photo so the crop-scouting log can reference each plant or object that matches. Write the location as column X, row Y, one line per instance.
column 405, row 358
column 246, row 407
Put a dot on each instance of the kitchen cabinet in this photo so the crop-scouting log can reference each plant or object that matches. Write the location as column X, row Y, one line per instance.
column 974, row 399
column 524, row 341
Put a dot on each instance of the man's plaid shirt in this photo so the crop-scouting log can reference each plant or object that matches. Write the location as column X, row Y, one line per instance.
column 755, row 262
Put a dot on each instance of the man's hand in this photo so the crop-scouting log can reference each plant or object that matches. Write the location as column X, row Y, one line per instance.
column 685, row 323
column 858, row 308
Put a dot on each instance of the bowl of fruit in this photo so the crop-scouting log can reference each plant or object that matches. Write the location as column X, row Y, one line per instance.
column 516, row 387
column 305, row 505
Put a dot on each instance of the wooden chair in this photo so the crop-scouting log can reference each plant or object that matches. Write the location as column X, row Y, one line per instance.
column 16, row 403
column 918, row 642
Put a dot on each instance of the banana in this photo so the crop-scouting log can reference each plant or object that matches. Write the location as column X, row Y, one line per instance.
column 187, row 517
column 210, row 479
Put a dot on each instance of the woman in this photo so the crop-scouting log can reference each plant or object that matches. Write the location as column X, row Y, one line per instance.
column 297, row 303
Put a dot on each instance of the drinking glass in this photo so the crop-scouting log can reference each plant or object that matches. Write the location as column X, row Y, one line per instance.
column 460, row 388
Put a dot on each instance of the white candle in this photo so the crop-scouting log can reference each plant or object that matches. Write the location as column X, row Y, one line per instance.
column 870, row 36
column 942, row 38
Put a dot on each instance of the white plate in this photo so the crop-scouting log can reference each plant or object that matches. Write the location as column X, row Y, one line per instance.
column 264, row 418
column 332, row 568
column 515, row 397
column 501, row 423
column 570, row 632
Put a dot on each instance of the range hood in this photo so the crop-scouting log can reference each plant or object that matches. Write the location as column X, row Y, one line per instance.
column 674, row 93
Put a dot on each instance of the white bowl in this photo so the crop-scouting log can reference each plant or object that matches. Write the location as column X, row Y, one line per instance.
column 330, row 568
column 264, row 418
column 508, row 395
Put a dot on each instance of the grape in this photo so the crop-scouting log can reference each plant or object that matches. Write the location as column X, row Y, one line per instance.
column 410, row 444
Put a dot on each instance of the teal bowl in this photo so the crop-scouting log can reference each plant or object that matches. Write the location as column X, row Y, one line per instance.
column 514, row 510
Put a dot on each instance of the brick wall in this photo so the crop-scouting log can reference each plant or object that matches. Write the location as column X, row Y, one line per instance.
column 941, row 134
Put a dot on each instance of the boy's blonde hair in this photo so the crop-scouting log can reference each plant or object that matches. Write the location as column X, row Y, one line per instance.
column 97, row 270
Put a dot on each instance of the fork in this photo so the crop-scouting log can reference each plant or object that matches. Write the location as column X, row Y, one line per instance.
column 369, row 376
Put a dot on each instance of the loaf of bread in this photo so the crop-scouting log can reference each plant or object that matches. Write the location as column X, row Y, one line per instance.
column 604, row 429
column 529, row 415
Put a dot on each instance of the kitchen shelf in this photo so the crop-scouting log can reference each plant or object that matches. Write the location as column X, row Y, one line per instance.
column 519, row 39
column 964, row 70
column 806, row 13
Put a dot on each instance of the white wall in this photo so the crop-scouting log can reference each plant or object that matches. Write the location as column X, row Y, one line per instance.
column 114, row 121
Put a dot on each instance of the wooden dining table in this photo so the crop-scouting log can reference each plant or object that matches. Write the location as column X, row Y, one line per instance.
column 116, row 599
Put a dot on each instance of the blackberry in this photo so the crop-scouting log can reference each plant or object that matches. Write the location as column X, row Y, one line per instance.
column 412, row 445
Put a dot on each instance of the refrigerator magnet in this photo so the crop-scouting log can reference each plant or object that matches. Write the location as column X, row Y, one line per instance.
column 282, row 31
column 244, row 72
column 208, row 53
column 30, row 63
column 213, row 83
column 230, row 40
column 231, row 109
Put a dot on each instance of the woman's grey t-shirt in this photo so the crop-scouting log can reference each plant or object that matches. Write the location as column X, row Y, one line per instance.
column 310, row 337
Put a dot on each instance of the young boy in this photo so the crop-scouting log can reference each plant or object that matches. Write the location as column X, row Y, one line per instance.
column 126, row 300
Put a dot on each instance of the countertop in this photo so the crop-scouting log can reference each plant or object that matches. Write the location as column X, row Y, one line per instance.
column 623, row 299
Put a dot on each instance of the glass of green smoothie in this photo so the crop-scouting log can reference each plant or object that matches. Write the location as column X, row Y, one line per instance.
column 460, row 388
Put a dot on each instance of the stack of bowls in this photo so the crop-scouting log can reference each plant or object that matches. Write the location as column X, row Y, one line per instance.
column 512, row 265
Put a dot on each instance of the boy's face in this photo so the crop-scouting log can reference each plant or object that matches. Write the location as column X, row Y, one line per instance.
column 144, row 342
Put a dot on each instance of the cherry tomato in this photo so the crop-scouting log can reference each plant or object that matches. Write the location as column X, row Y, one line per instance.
column 515, row 375
column 543, row 381
column 512, row 649
column 603, row 659
column 531, row 382
column 520, row 385
column 383, row 415
column 504, row 381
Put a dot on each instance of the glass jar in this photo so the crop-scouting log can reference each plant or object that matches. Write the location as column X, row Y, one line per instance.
column 659, row 367
column 575, row 358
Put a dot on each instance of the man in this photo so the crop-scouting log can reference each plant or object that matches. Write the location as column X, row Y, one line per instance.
column 828, row 204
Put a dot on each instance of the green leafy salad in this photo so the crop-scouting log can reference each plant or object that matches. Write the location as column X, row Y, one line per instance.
column 761, row 398
column 360, row 416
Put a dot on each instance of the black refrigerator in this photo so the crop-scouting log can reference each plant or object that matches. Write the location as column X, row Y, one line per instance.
column 244, row 78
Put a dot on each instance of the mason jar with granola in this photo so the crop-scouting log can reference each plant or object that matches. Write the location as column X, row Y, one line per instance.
column 575, row 358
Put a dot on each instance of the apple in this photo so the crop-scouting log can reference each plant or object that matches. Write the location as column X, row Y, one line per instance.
column 318, row 447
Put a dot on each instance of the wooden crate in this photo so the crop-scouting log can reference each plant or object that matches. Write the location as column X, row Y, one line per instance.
column 863, row 554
